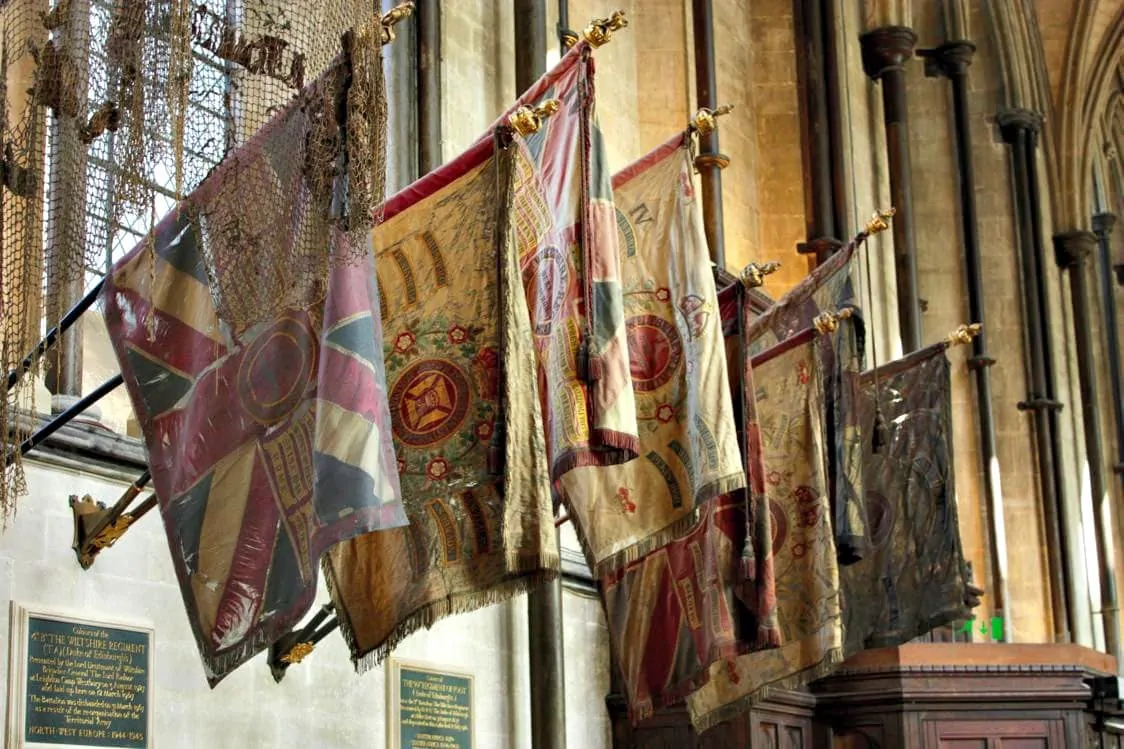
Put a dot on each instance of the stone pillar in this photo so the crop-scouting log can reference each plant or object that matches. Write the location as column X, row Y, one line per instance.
column 710, row 162
column 544, row 602
column 1103, row 224
column 429, row 85
column 817, row 123
column 1019, row 128
column 1072, row 250
column 66, row 217
column 951, row 60
column 885, row 51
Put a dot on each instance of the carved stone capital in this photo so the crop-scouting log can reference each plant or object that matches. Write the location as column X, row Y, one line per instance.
column 949, row 59
column 1103, row 224
column 1072, row 247
column 887, row 48
column 1014, row 121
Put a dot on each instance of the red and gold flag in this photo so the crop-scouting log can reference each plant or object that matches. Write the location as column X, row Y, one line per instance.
column 573, row 280
column 789, row 415
column 663, row 531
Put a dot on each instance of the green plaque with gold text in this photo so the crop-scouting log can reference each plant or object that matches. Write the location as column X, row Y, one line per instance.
column 83, row 683
column 432, row 708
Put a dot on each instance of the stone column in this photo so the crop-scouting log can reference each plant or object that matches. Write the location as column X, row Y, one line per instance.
column 66, row 217
column 1072, row 250
column 1019, row 128
column 710, row 162
column 951, row 60
column 817, row 123
column 429, row 85
column 1103, row 224
column 544, row 602
column 885, row 51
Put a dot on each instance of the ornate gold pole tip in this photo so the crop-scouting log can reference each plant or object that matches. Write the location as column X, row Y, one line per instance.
column 391, row 18
column 828, row 322
column 964, row 334
column 298, row 652
column 753, row 275
column 600, row 30
column 705, row 120
column 527, row 120
column 880, row 221
column 570, row 38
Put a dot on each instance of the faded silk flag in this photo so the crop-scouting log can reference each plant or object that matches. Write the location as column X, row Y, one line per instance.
column 830, row 288
column 656, row 528
column 755, row 568
column 914, row 578
column 573, row 282
column 688, row 442
column 789, row 405
column 266, row 445
column 465, row 413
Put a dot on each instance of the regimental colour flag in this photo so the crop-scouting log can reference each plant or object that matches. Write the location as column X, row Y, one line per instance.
column 468, row 431
column 268, row 443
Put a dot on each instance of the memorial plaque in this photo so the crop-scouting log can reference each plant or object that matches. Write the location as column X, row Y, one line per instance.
column 431, row 708
column 80, row 682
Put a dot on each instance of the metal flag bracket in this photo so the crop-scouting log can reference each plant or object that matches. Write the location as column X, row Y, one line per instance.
column 600, row 30
column 299, row 644
column 753, row 275
column 97, row 527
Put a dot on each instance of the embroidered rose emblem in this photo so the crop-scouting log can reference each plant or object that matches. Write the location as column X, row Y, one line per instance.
column 663, row 294
column 437, row 469
column 457, row 334
column 487, row 362
column 687, row 187
column 799, row 550
column 802, row 373
column 484, row 430
column 665, row 413
column 807, row 506
column 774, row 478
column 732, row 672
column 624, row 496
column 404, row 342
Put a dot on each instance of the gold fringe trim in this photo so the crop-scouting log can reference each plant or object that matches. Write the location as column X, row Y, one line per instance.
column 825, row 667
column 669, row 533
column 527, row 572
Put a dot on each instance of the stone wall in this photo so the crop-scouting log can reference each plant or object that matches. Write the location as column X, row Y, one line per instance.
column 321, row 702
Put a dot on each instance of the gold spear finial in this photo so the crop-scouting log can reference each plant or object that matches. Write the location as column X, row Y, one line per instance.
column 391, row 18
column 964, row 334
column 704, row 120
column 298, row 652
column 600, row 30
column 753, row 275
column 527, row 120
column 880, row 221
column 828, row 322
column 569, row 38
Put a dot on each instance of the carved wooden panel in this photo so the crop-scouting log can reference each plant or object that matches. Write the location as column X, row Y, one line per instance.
column 775, row 730
column 995, row 734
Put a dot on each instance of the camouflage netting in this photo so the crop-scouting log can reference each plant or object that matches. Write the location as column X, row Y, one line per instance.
column 113, row 110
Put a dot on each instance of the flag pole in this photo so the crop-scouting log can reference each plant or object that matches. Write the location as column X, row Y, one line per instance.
column 53, row 334
column 59, row 421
